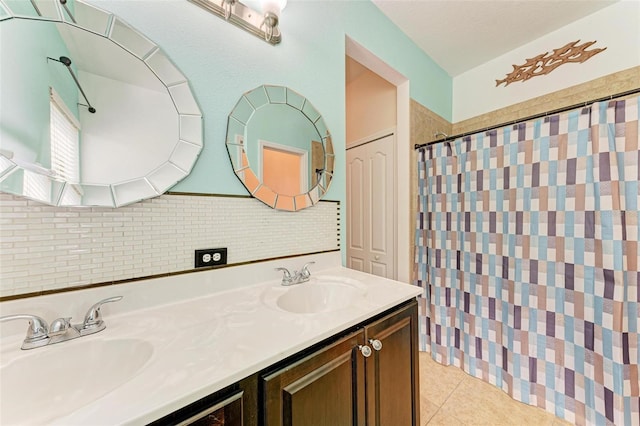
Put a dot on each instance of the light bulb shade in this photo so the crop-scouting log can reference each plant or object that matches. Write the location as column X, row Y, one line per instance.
column 273, row 6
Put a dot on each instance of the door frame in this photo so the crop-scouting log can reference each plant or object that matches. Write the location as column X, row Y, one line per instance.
column 403, row 237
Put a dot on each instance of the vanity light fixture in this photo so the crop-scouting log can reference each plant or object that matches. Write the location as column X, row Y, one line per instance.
column 263, row 25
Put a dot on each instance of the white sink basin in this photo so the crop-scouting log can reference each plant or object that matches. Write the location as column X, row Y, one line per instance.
column 319, row 294
column 56, row 380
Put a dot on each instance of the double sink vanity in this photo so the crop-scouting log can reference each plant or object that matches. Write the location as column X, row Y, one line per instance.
column 232, row 345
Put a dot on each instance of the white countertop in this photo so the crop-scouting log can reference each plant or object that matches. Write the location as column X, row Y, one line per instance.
column 200, row 344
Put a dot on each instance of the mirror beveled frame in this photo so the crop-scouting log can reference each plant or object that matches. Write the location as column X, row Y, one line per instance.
column 188, row 115
column 237, row 124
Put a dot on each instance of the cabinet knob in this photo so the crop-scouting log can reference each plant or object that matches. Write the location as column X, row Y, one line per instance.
column 376, row 344
column 365, row 350
column 377, row 257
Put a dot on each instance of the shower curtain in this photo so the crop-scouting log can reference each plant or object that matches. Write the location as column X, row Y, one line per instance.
column 527, row 246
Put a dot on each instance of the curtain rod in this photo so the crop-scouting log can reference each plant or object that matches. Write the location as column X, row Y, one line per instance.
column 64, row 60
column 531, row 117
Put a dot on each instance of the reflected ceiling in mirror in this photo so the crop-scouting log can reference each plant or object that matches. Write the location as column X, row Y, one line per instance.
column 280, row 148
column 57, row 60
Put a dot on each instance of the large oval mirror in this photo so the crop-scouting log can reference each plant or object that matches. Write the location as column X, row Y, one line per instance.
column 280, row 148
column 92, row 113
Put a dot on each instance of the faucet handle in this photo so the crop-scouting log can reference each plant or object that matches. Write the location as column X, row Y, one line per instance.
column 305, row 270
column 37, row 333
column 287, row 278
column 285, row 271
column 93, row 318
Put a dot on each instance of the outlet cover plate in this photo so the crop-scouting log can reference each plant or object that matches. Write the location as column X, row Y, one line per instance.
column 210, row 257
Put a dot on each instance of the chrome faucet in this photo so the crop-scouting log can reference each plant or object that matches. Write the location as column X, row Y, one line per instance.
column 61, row 329
column 297, row 277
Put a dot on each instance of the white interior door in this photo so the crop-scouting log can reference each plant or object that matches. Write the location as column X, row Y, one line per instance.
column 371, row 207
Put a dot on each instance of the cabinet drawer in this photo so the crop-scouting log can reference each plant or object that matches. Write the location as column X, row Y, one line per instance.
column 227, row 412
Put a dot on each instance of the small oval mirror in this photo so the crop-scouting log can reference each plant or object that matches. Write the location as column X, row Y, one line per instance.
column 280, row 148
column 92, row 112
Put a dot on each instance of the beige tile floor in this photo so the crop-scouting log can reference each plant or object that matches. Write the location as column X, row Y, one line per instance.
column 451, row 397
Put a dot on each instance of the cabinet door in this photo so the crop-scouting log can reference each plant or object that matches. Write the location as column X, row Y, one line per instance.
column 325, row 388
column 392, row 372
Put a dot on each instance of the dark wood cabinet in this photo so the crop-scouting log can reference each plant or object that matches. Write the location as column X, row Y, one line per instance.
column 339, row 385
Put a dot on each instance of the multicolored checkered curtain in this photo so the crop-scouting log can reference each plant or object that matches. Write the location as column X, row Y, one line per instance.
column 527, row 247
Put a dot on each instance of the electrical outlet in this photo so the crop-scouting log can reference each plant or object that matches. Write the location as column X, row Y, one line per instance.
column 211, row 257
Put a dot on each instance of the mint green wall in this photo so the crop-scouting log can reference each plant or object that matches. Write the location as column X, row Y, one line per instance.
column 222, row 62
column 24, row 100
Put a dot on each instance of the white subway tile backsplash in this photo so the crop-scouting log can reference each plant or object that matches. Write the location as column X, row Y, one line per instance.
column 45, row 248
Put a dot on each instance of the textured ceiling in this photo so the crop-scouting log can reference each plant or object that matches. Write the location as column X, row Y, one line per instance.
column 462, row 34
